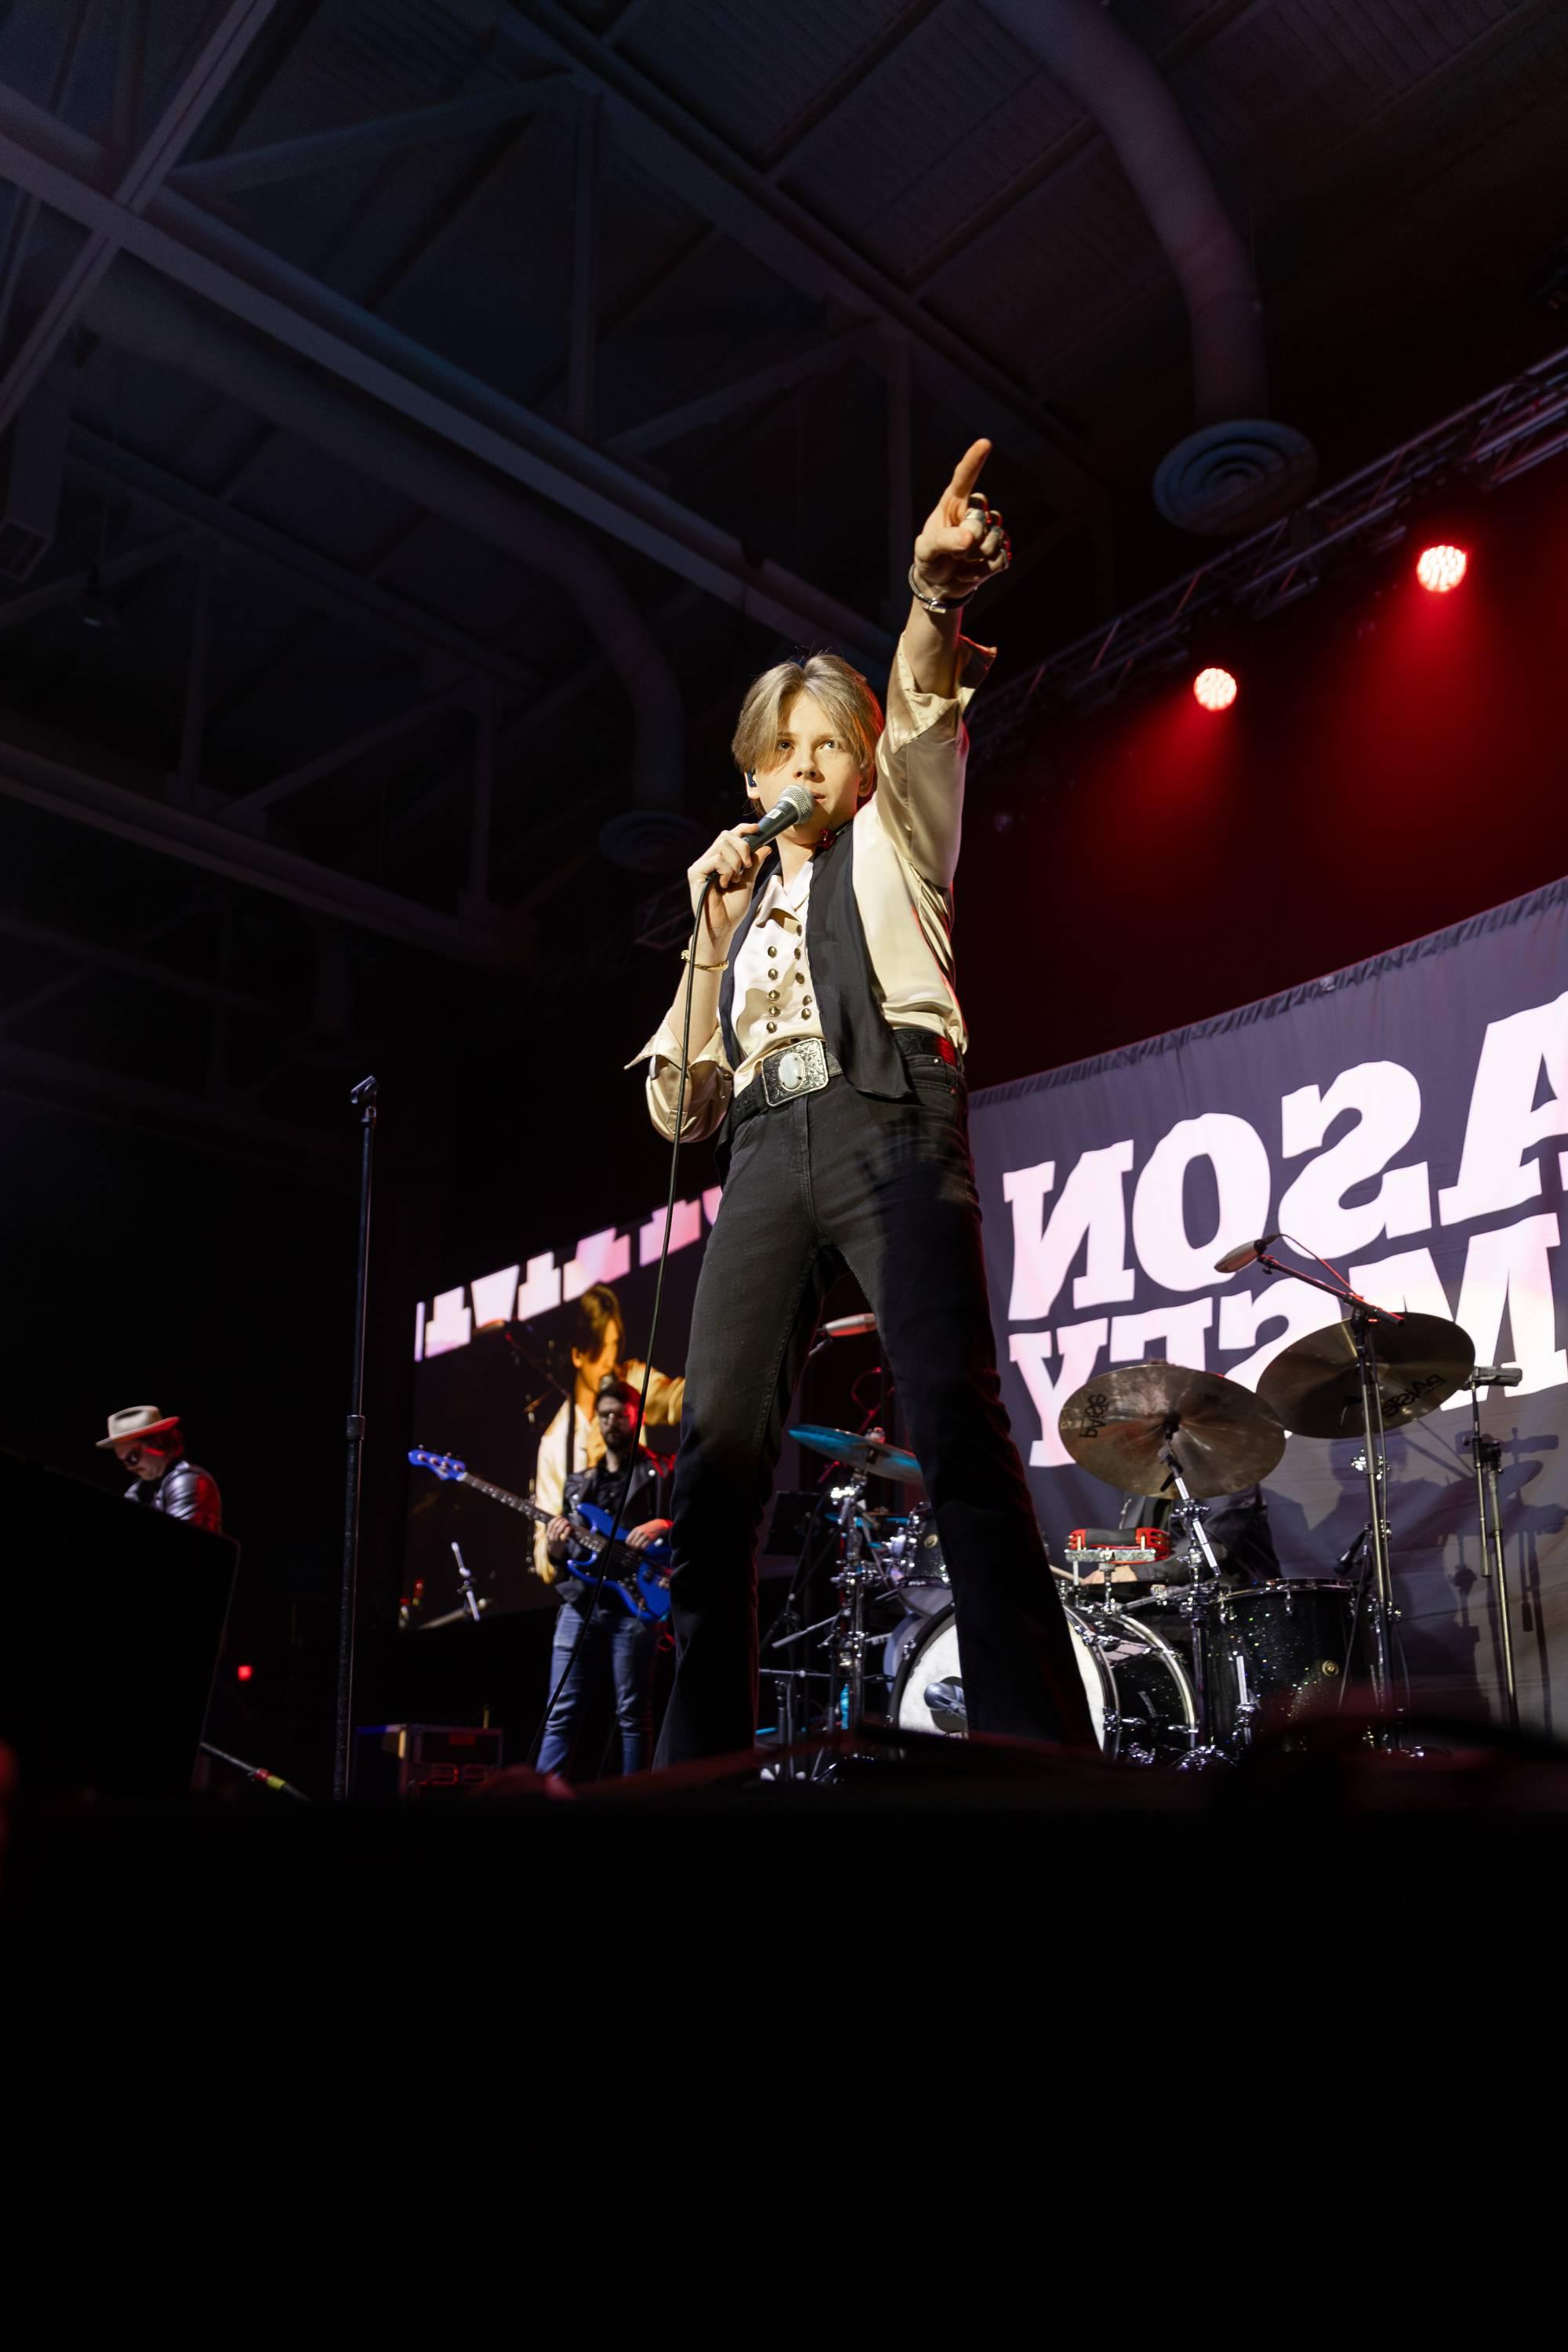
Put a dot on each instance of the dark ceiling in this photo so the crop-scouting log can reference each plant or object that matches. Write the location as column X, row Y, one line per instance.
column 461, row 399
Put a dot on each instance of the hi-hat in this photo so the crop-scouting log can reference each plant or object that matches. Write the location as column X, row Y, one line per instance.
column 1118, row 1425
column 1315, row 1386
column 873, row 1456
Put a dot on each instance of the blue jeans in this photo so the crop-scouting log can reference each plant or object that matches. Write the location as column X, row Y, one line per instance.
column 617, row 1644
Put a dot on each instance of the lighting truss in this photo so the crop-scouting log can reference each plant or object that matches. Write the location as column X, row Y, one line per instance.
column 1508, row 431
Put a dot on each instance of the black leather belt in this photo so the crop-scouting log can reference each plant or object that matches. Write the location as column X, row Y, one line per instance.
column 803, row 1066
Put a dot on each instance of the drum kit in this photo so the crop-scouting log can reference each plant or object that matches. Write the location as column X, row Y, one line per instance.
column 1181, row 1663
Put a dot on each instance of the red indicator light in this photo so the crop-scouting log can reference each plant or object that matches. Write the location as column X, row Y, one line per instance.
column 1215, row 688
column 243, row 1674
column 1438, row 569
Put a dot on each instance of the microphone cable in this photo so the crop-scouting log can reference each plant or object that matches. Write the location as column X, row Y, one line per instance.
column 599, row 1581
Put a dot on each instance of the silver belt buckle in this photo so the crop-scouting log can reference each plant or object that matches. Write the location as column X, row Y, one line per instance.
column 791, row 1070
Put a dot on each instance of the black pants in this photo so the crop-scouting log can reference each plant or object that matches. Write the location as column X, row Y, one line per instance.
column 831, row 1180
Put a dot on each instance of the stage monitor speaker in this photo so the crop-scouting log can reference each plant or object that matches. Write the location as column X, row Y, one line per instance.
column 112, row 1619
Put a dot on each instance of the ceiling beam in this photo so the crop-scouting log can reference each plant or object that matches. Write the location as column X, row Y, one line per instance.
column 493, row 944
column 93, row 955
column 246, row 807
column 314, row 579
column 107, row 574
column 216, row 65
column 745, row 392
column 681, row 153
column 356, row 142
column 26, row 1071
column 253, row 286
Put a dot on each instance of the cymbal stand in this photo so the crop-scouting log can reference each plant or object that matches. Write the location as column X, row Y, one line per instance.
column 1199, row 1607
column 1363, row 1319
column 1384, row 1611
column 788, row 1697
column 856, row 1568
column 1486, row 1459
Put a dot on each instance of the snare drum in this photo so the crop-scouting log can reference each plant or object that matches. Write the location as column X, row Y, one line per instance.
column 1140, row 1694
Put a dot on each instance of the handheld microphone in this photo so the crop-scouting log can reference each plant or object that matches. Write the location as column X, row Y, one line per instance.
column 792, row 807
column 1247, row 1254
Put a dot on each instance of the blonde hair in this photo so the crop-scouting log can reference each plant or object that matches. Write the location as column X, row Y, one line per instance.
column 842, row 691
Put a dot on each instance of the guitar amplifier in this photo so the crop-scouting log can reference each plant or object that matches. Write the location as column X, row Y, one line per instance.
column 423, row 1760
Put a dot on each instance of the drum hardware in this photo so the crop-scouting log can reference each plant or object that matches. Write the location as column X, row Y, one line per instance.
column 1098, row 1556
column 916, row 1564
column 867, row 1569
column 1485, row 1461
column 1382, row 1369
column 870, row 1456
column 860, row 1572
column 1124, row 1427
column 1198, row 1607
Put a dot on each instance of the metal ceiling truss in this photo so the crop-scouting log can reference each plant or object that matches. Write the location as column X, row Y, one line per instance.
column 133, row 191
column 748, row 206
column 491, row 937
column 313, row 578
column 247, row 283
column 151, row 215
column 1508, row 431
column 220, row 1113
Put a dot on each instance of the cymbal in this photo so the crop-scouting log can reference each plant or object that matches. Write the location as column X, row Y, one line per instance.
column 874, row 1455
column 1221, row 1436
column 1315, row 1387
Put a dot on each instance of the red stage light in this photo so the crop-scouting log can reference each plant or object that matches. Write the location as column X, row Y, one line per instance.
column 1215, row 688
column 243, row 1674
column 1441, row 567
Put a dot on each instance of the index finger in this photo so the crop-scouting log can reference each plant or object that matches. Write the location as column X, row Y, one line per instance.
column 966, row 473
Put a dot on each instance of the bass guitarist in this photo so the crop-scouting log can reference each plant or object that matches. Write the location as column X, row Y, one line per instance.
column 614, row 1649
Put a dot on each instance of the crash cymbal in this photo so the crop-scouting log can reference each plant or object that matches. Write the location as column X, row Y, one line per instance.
column 1221, row 1436
column 1315, row 1387
column 873, row 1454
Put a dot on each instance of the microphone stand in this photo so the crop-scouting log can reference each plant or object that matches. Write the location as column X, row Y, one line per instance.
column 363, row 1100
column 1363, row 1320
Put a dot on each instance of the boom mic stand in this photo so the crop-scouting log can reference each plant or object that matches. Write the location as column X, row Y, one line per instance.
column 363, row 1100
column 1486, row 1459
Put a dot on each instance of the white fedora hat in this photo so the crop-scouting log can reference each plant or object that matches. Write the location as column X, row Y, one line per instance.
column 138, row 1421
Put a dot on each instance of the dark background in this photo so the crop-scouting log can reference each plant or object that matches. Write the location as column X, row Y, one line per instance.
column 178, row 1149
column 1392, row 763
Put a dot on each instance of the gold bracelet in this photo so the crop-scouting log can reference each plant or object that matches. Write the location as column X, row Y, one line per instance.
column 687, row 957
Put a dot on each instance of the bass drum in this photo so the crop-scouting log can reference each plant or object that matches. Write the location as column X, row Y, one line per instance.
column 1140, row 1693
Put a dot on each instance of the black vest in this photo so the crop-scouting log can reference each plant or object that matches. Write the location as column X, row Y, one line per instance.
column 843, row 982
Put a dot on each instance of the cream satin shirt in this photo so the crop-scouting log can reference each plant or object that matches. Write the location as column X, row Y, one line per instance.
column 904, row 841
column 773, row 1001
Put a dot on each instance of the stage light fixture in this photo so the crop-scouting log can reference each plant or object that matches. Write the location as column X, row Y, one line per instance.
column 1438, row 569
column 1215, row 688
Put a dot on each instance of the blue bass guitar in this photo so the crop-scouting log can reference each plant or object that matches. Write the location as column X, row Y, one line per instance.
column 639, row 1580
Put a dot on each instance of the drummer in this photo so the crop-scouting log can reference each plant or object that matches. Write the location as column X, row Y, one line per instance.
column 1236, row 1527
